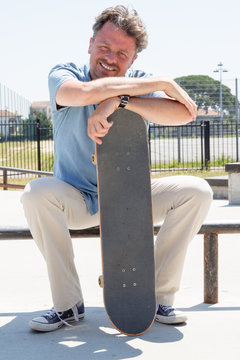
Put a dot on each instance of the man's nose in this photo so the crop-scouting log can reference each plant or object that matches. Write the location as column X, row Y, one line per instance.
column 111, row 56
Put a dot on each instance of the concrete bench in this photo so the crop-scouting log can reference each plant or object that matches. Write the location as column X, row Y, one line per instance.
column 233, row 170
column 209, row 229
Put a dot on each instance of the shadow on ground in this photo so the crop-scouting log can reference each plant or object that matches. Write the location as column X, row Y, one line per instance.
column 91, row 338
column 210, row 307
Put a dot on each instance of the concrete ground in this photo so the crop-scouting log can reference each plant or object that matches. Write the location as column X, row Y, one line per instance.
column 212, row 331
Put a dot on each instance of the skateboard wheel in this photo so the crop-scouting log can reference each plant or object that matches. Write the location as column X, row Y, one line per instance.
column 100, row 281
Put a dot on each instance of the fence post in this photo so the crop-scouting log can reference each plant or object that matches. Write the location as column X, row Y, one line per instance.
column 5, row 179
column 179, row 144
column 179, row 135
column 207, row 144
column 38, row 145
column 237, row 117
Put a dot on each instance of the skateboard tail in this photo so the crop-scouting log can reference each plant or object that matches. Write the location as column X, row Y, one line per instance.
column 133, row 331
column 131, row 316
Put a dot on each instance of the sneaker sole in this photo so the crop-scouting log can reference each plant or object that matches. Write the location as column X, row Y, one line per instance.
column 170, row 320
column 38, row 326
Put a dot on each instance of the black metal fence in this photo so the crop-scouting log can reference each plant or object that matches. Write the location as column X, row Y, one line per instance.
column 197, row 145
column 26, row 145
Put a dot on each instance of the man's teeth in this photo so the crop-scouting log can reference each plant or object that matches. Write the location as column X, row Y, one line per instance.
column 107, row 67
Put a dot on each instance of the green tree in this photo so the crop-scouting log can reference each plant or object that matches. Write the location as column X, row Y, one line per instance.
column 205, row 91
column 45, row 122
column 29, row 128
column 45, row 125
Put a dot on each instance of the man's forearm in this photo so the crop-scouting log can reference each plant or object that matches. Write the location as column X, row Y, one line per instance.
column 157, row 110
column 160, row 111
column 77, row 93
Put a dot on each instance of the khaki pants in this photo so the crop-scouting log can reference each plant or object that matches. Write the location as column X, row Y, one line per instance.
column 52, row 207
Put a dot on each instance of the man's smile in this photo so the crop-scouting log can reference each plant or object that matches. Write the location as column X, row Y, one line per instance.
column 107, row 67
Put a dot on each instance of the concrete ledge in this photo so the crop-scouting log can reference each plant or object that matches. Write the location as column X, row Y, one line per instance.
column 219, row 185
column 232, row 167
column 233, row 170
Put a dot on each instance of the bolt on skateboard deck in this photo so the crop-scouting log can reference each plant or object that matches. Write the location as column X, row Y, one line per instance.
column 126, row 225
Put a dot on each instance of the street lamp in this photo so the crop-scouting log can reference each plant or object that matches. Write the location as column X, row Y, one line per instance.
column 220, row 70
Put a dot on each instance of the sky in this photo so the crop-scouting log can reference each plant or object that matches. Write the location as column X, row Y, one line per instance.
column 186, row 37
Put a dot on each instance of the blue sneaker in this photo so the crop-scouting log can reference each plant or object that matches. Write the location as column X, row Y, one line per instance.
column 168, row 315
column 53, row 320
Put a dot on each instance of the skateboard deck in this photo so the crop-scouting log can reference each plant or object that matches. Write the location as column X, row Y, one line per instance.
column 126, row 226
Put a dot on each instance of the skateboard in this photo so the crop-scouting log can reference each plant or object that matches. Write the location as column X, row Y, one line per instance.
column 126, row 226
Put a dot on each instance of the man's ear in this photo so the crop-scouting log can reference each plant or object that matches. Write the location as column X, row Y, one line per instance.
column 90, row 45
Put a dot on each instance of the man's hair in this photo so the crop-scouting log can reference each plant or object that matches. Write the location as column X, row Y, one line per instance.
column 125, row 20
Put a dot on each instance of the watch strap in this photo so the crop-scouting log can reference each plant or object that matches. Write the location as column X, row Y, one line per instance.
column 124, row 101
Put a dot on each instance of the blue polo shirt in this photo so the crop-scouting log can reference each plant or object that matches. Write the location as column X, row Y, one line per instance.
column 73, row 148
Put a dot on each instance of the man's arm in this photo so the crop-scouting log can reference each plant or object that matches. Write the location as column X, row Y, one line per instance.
column 77, row 93
column 162, row 111
column 157, row 110
column 178, row 110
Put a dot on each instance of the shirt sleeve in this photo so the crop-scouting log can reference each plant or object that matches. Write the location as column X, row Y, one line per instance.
column 57, row 76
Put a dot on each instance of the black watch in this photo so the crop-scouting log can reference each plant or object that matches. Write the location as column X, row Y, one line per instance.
column 124, row 101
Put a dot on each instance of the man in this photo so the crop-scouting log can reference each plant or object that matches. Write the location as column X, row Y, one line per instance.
column 82, row 98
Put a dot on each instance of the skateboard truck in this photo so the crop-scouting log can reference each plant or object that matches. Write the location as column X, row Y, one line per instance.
column 94, row 159
column 100, row 281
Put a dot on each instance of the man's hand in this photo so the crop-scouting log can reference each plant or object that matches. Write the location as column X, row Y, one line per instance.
column 98, row 125
column 173, row 90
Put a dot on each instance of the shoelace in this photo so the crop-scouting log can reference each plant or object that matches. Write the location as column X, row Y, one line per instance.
column 167, row 309
column 51, row 313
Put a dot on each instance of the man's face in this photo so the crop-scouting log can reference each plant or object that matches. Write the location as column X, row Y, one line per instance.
column 112, row 52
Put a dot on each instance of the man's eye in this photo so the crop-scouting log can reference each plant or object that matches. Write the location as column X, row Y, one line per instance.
column 122, row 55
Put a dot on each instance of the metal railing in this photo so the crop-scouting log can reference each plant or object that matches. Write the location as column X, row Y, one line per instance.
column 10, row 172
column 26, row 145
column 199, row 145
column 196, row 146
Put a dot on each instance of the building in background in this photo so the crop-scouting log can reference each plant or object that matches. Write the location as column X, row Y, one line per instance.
column 211, row 115
column 8, row 123
column 43, row 107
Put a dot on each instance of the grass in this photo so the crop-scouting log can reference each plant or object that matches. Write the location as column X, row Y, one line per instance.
column 219, row 162
column 199, row 173
column 25, row 154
